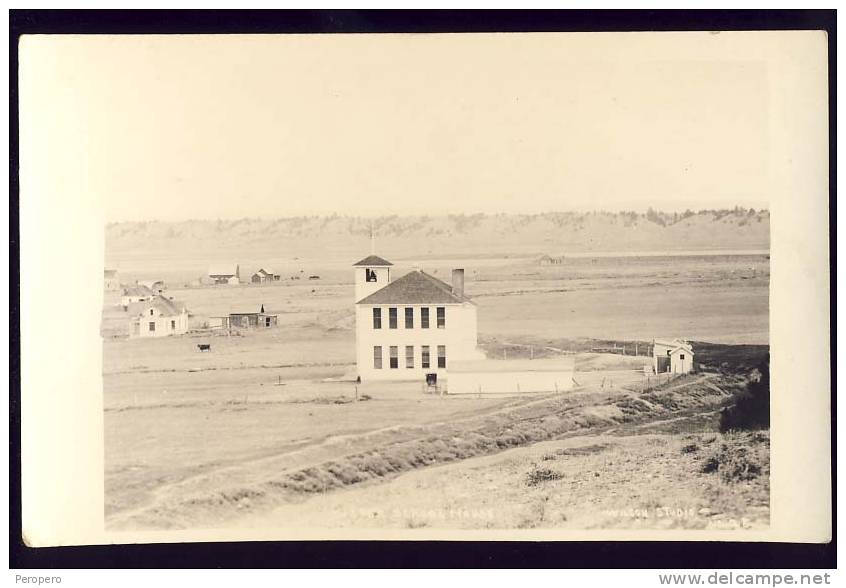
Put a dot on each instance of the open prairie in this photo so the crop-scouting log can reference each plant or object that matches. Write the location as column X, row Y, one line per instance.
column 231, row 436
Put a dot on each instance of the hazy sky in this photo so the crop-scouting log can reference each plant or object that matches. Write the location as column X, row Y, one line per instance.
column 176, row 127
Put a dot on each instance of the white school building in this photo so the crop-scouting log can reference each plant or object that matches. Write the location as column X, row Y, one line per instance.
column 411, row 327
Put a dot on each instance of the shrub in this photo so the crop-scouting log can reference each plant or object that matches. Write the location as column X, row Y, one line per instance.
column 539, row 475
column 752, row 407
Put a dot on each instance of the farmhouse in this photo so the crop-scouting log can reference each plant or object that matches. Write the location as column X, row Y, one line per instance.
column 134, row 294
column 110, row 280
column 672, row 356
column 509, row 376
column 410, row 328
column 264, row 276
column 225, row 274
column 158, row 317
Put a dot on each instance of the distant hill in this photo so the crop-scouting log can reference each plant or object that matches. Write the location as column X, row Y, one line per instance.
column 553, row 233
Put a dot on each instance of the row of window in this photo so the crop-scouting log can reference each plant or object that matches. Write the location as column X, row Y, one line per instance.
column 440, row 317
column 393, row 357
column 152, row 326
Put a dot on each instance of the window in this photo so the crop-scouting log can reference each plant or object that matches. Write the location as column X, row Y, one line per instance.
column 151, row 326
column 377, row 358
column 267, row 321
column 394, row 358
column 681, row 356
column 424, row 359
column 151, row 312
column 377, row 318
column 441, row 356
column 392, row 318
column 409, row 318
column 409, row 356
column 369, row 275
column 441, row 317
column 424, row 318
column 173, row 326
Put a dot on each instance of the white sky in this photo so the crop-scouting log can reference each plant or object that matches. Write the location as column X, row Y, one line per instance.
column 177, row 127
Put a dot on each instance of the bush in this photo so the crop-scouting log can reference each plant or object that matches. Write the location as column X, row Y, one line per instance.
column 752, row 409
column 739, row 459
column 539, row 475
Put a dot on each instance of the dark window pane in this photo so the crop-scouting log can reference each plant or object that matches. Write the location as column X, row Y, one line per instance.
column 377, row 358
column 392, row 318
column 441, row 317
column 394, row 359
column 409, row 318
column 424, row 356
column 377, row 318
column 409, row 356
column 441, row 356
column 424, row 318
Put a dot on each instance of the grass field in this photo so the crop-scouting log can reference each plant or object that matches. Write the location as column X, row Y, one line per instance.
column 223, row 438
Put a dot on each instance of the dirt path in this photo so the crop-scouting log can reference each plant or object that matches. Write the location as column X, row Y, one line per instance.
column 228, row 493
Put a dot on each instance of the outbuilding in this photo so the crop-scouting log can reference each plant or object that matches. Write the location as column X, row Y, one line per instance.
column 247, row 320
column 135, row 294
column 225, row 274
column 264, row 276
column 674, row 356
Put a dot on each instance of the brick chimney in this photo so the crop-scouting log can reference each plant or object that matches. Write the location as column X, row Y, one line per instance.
column 458, row 282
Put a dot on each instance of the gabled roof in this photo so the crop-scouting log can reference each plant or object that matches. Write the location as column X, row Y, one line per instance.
column 224, row 270
column 675, row 345
column 415, row 287
column 139, row 290
column 267, row 272
column 164, row 305
column 373, row 260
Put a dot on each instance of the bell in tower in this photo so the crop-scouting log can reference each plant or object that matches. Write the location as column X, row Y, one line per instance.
column 371, row 273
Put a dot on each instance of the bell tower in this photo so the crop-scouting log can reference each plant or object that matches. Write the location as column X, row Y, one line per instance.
column 371, row 273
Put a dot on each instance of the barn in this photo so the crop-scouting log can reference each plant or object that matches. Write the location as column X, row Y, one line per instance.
column 673, row 356
column 510, row 376
column 158, row 317
column 225, row 274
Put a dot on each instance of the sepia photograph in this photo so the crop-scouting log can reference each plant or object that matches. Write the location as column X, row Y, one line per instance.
column 349, row 302
column 373, row 286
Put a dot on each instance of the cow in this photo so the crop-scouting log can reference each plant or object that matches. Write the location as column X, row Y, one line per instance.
column 204, row 347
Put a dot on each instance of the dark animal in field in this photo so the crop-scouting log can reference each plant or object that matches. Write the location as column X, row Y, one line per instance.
column 204, row 346
column 314, row 277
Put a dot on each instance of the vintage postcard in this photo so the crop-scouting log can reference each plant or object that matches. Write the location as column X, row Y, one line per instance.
column 495, row 286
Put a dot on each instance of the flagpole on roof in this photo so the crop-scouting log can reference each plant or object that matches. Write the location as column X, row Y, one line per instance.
column 372, row 239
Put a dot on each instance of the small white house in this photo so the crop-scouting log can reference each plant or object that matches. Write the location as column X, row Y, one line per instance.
column 511, row 376
column 135, row 294
column 673, row 356
column 158, row 317
column 225, row 274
